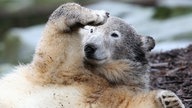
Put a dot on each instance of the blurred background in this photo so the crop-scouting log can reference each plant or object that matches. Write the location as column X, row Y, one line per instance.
column 169, row 22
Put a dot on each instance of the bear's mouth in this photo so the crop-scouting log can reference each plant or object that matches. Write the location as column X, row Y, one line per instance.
column 94, row 60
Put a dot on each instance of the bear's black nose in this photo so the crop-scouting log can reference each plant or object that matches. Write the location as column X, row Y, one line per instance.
column 90, row 50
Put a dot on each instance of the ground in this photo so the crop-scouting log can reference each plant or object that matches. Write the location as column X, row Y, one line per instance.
column 172, row 70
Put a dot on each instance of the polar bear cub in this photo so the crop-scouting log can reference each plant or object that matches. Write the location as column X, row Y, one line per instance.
column 104, row 68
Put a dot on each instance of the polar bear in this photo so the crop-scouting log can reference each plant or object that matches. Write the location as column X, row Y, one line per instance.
column 104, row 68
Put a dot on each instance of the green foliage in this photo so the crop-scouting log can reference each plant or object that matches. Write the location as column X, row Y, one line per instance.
column 3, row 3
column 167, row 12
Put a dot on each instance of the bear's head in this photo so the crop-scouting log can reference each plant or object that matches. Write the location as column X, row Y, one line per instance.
column 116, row 52
column 116, row 40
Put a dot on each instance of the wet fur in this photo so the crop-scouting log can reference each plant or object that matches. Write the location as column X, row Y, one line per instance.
column 59, row 77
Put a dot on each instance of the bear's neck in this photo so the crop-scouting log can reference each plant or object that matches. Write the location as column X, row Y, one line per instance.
column 124, row 73
column 57, row 55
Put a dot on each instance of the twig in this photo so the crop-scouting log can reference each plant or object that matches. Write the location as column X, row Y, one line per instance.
column 175, row 70
column 158, row 65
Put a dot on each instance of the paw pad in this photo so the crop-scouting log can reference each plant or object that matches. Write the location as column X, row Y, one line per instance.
column 169, row 99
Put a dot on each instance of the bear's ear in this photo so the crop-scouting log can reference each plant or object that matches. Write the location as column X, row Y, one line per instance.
column 148, row 43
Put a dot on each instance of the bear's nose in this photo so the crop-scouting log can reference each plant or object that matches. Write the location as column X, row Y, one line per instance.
column 90, row 49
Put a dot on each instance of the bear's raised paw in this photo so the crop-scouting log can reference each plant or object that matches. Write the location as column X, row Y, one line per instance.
column 100, row 17
column 169, row 99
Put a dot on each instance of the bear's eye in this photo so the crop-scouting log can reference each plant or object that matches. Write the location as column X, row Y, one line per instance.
column 91, row 31
column 114, row 35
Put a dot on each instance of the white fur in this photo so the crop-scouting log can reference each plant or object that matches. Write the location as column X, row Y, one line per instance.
column 25, row 94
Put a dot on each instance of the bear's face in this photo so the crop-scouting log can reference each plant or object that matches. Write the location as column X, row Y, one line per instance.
column 115, row 40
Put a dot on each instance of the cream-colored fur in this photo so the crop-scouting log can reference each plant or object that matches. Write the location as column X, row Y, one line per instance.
column 58, row 77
